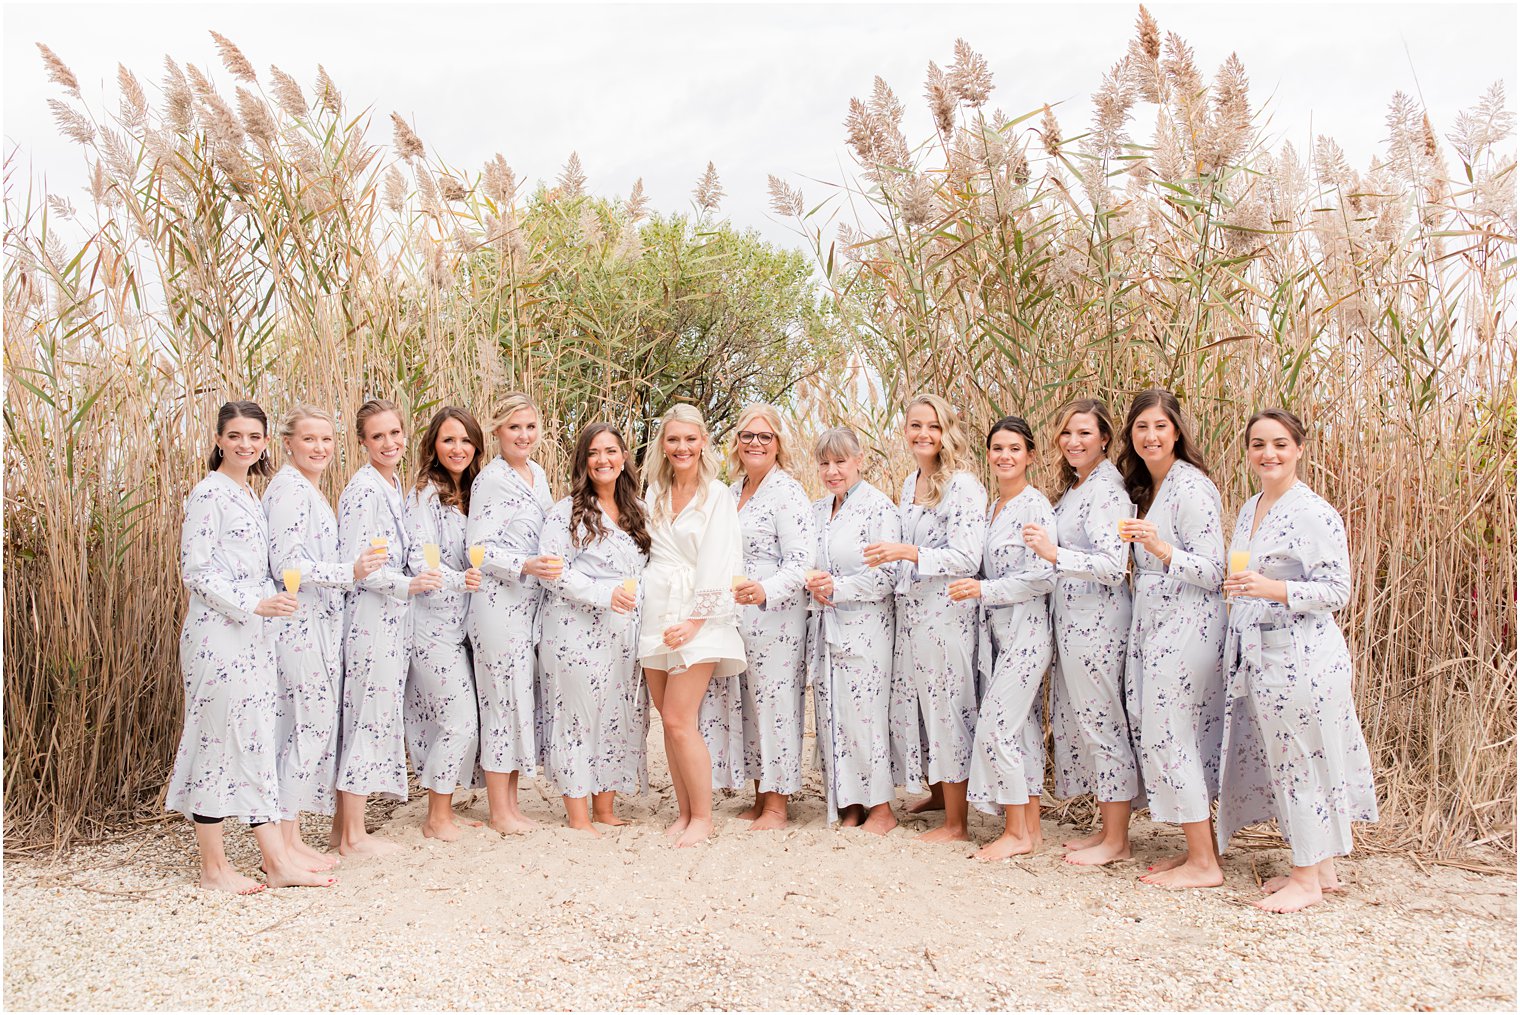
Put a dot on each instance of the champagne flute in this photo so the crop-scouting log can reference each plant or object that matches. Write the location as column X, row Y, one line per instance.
column 557, row 562
column 382, row 544
column 292, row 579
column 812, row 600
column 631, row 586
column 431, row 556
column 1239, row 561
column 477, row 555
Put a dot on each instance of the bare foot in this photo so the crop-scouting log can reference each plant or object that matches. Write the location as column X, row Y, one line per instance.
column 770, row 820
column 880, row 821
column 1086, row 842
column 696, row 831
column 295, row 876
column 852, row 816
column 752, row 812
column 1005, row 846
column 1167, row 863
column 935, row 801
column 1188, row 875
column 1292, row 897
column 229, row 880
column 1097, row 856
column 944, row 833
column 676, row 827
column 368, row 846
column 588, row 828
column 608, row 818
column 511, row 824
column 311, row 859
column 1277, row 884
column 443, row 831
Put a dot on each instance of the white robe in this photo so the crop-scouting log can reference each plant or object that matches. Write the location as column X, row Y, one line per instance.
column 303, row 535
column 376, row 641
column 933, row 709
column 776, row 526
column 596, row 704
column 1174, row 675
column 849, row 652
column 506, row 514
column 692, row 564
column 225, row 766
column 1293, row 747
column 1090, row 612
column 442, row 713
column 1013, row 656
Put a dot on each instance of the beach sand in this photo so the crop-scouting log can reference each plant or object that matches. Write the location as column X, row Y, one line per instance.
column 805, row 918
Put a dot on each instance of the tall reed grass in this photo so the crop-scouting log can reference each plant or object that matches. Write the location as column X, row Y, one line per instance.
column 250, row 240
column 1011, row 267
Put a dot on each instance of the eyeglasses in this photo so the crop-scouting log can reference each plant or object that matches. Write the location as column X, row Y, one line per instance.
column 751, row 437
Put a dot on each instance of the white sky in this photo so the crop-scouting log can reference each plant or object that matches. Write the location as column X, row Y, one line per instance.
column 657, row 91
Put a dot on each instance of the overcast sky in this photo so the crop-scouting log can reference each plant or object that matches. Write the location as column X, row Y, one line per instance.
column 657, row 91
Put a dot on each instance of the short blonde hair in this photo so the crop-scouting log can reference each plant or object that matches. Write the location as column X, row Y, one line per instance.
column 657, row 494
column 953, row 448
column 840, row 442
column 769, row 413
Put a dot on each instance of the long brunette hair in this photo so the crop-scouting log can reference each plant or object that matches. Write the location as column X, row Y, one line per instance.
column 586, row 524
column 451, row 492
column 240, row 410
column 1067, row 476
column 1137, row 475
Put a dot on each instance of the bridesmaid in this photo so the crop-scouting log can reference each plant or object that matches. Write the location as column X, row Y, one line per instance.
column 943, row 514
column 442, row 715
column 687, row 637
column 597, row 708
column 850, row 638
column 1008, row 757
column 1174, row 675
column 507, row 508
column 377, row 633
column 776, row 524
column 303, row 537
column 225, row 766
column 1293, row 747
column 1091, row 616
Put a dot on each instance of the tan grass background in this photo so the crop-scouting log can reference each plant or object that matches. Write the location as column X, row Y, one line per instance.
column 247, row 238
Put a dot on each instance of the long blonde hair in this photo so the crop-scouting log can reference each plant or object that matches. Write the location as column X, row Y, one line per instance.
column 953, row 448
column 657, row 493
column 769, row 413
column 512, row 403
column 1066, row 476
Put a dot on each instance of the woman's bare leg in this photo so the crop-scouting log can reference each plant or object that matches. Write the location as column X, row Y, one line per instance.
column 1200, row 865
column 954, row 829
column 683, row 699
column 501, row 798
column 290, row 834
column 217, row 874
column 578, row 814
column 1114, row 844
column 353, row 838
column 602, row 812
column 280, row 868
column 658, row 681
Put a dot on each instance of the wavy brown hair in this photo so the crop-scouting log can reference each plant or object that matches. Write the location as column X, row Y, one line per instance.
column 1137, row 475
column 451, row 492
column 585, row 513
column 1099, row 410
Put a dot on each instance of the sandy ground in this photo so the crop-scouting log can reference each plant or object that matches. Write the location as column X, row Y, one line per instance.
column 805, row 918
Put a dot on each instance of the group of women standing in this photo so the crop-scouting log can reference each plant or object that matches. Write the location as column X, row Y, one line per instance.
column 468, row 620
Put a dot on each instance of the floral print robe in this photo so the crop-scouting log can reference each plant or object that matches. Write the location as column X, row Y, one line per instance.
column 596, row 704
column 376, row 641
column 225, row 766
column 933, row 706
column 1013, row 656
column 849, row 652
column 442, row 713
column 776, row 525
column 303, row 536
column 1174, row 675
column 1293, row 747
column 1090, row 612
